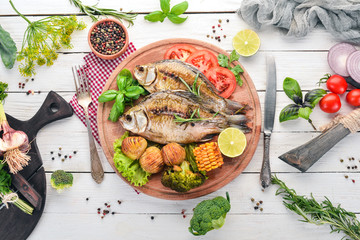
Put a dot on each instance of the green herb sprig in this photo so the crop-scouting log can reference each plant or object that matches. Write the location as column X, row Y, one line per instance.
column 194, row 117
column 94, row 12
column 42, row 38
column 173, row 15
column 129, row 90
column 225, row 62
column 319, row 213
column 301, row 107
column 7, row 48
column 195, row 90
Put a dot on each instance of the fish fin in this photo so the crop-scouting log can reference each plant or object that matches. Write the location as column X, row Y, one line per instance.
column 187, row 95
column 243, row 128
column 208, row 137
column 235, row 107
column 237, row 119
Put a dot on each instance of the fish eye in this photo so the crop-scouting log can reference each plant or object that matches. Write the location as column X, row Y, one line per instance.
column 141, row 69
column 128, row 118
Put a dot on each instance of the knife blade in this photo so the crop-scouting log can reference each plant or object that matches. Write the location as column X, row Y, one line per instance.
column 269, row 116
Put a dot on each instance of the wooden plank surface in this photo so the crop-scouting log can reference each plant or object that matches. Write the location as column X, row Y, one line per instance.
column 70, row 216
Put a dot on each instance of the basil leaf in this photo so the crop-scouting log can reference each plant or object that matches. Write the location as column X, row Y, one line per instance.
column 165, row 6
column 234, row 56
column 305, row 112
column 108, row 96
column 314, row 96
column 126, row 73
column 155, row 16
column 239, row 80
column 180, row 8
column 236, row 70
column 223, row 60
column 292, row 89
column 176, row 19
column 121, row 82
column 290, row 112
column 133, row 91
column 7, row 49
column 117, row 109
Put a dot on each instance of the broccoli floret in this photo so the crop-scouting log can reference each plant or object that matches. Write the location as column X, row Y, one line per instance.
column 182, row 180
column 209, row 215
column 61, row 180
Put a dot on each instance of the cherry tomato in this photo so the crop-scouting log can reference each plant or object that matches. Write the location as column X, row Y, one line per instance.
column 180, row 51
column 353, row 97
column 330, row 103
column 336, row 84
column 223, row 79
column 203, row 60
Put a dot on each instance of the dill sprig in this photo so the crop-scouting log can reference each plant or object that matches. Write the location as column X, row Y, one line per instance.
column 321, row 213
column 94, row 12
column 194, row 117
column 193, row 89
column 42, row 38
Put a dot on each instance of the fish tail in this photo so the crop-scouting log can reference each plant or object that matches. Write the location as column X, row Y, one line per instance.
column 237, row 119
column 243, row 128
column 235, row 107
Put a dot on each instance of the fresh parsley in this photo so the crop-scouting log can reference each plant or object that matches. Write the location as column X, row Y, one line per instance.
column 225, row 62
column 172, row 14
column 301, row 107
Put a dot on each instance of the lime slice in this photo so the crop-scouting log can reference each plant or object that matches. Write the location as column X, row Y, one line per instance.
column 246, row 42
column 232, row 142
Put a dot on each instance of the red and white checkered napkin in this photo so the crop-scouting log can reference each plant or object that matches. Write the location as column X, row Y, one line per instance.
column 98, row 72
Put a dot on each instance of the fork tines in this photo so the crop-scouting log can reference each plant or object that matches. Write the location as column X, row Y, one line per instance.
column 80, row 79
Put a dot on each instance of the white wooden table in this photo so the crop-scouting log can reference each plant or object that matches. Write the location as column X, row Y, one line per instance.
column 70, row 216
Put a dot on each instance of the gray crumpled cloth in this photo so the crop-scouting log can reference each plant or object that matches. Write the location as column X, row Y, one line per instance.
column 298, row 17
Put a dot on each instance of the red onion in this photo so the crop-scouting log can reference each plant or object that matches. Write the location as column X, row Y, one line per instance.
column 337, row 57
column 353, row 66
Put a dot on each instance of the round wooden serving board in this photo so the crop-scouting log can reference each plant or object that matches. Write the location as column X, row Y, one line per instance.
column 218, row 178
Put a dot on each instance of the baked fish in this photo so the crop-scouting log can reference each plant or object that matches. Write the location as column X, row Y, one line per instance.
column 166, row 74
column 154, row 118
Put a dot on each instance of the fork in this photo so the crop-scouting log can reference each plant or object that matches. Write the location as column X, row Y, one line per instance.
column 84, row 99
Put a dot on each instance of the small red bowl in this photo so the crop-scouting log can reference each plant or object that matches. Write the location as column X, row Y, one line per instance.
column 117, row 54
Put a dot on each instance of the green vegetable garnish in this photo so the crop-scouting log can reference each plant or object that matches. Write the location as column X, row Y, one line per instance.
column 43, row 38
column 94, row 12
column 209, row 215
column 225, row 62
column 129, row 169
column 61, row 180
column 7, row 49
column 5, row 183
column 301, row 108
column 129, row 90
column 319, row 213
column 172, row 14
column 182, row 179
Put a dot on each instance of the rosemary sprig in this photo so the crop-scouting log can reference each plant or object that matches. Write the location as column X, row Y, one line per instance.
column 193, row 118
column 193, row 89
column 321, row 213
column 94, row 12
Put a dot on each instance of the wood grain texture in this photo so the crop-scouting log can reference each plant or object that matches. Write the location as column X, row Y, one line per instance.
column 109, row 131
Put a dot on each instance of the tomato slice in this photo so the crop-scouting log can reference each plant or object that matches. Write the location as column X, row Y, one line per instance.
column 223, row 79
column 203, row 60
column 180, row 51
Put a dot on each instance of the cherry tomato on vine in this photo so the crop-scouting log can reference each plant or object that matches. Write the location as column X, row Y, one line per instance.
column 330, row 103
column 353, row 97
column 336, row 84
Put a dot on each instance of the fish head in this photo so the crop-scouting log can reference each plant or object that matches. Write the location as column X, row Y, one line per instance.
column 135, row 120
column 145, row 74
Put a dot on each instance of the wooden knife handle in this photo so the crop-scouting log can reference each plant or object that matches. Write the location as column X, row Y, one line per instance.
column 304, row 156
column 27, row 190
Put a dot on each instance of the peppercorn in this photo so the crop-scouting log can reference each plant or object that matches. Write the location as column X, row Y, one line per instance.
column 119, row 202
column 256, row 207
column 52, row 158
column 341, row 160
column 62, row 160
column 75, row 152
column 257, row 204
column 152, row 217
column 87, row 199
column 113, row 213
column 261, row 209
column 32, row 79
column 227, row 20
column 51, row 152
column 60, row 148
column 261, row 202
column 252, row 199
column 65, row 156
column 353, row 181
column 346, row 176
column 105, row 204
column 348, row 167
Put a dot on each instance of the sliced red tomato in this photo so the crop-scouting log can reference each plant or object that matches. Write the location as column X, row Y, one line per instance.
column 223, row 79
column 203, row 60
column 180, row 51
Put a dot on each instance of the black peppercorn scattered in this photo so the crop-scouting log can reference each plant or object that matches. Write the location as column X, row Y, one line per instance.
column 87, row 199
column 52, row 158
column 256, row 207
column 152, row 217
column 51, row 152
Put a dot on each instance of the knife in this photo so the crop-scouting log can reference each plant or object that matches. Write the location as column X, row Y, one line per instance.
column 270, row 102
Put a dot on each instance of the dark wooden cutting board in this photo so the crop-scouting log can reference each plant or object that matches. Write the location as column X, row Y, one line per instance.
column 15, row 224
